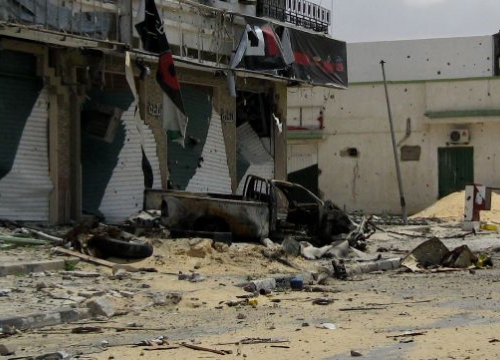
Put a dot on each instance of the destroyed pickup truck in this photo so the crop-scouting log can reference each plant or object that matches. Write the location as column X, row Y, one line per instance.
column 267, row 208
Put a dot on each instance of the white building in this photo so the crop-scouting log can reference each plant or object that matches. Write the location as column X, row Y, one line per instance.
column 445, row 99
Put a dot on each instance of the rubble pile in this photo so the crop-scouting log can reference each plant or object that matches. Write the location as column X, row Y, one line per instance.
column 451, row 208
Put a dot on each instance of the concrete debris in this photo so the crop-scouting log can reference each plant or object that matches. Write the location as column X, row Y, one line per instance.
column 121, row 274
column 200, row 248
column 165, row 298
column 7, row 349
column 194, row 277
column 434, row 255
column 82, row 274
column 268, row 243
column 91, row 297
column 59, row 355
column 127, row 294
column 101, row 306
column 221, row 247
column 28, row 267
column 291, row 246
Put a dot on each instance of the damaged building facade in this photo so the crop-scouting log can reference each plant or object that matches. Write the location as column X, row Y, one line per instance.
column 444, row 97
column 85, row 125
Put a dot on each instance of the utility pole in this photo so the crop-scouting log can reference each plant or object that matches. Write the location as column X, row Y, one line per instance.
column 402, row 200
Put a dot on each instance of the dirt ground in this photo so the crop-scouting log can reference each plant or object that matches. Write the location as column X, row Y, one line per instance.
column 451, row 208
column 453, row 315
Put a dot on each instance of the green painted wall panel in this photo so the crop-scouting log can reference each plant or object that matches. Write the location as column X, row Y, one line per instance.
column 100, row 158
column 183, row 161
column 18, row 95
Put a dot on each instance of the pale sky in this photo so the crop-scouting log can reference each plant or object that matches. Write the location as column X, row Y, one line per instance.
column 380, row 20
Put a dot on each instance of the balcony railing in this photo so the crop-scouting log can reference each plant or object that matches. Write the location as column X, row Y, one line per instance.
column 299, row 12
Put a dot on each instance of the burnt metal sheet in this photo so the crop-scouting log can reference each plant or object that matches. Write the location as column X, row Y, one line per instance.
column 246, row 219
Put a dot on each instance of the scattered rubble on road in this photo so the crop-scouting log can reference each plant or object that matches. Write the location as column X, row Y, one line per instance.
column 433, row 255
column 93, row 294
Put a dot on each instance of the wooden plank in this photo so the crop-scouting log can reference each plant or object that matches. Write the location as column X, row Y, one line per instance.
column 85, row 257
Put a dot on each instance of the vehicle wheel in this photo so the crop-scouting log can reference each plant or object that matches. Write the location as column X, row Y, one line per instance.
column 211, row 224
column 105, row 247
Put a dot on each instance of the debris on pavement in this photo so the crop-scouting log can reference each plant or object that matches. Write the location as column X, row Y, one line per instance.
column 327, row 326
column 357, row 238
column 85, row 257
column 339, row 270
column 323, row 301
column 363, row 308
column 7, row 349
column 434, row 255
column 257, row 340
column 101, row 241
column 201, row 348
column 193, row 277
column 355, row 353
column 408, row 333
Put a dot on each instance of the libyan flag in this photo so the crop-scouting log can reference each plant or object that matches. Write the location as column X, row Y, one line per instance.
column 151, row 30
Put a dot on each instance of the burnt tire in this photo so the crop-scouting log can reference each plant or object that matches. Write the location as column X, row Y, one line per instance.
column 105, row 247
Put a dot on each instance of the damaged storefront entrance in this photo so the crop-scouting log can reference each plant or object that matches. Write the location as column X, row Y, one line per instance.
column 113, row 166
column 254, row 136
column 25, row 184
column 199, row 162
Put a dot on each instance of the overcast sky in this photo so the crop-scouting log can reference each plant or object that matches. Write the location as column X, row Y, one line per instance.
column 379, row 20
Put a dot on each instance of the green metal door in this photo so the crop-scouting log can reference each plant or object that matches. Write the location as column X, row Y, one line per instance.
column 456, row 169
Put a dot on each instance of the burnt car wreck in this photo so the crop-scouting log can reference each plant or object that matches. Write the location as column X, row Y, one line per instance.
column 266, row 209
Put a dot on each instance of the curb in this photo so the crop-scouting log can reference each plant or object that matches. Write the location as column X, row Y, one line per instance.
column 23, row 268
column 39, row 320
column 371, row 266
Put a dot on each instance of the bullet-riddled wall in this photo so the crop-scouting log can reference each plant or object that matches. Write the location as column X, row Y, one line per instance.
column 436, row 87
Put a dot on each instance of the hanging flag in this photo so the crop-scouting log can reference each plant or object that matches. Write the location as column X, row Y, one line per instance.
column 147, row 170
column 259, row 49
column 151, row 30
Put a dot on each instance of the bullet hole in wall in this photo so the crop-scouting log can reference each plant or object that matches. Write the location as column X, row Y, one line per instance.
column 350, row 152
column 439, row 72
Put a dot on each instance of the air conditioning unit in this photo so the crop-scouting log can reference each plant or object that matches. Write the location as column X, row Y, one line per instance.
column 459, row 136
